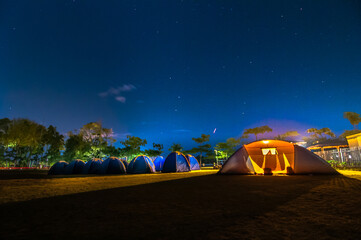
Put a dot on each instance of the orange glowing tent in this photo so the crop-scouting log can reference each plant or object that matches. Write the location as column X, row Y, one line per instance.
column 274, row 156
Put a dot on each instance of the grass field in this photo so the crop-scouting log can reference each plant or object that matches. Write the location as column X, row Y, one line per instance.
column 195, row 205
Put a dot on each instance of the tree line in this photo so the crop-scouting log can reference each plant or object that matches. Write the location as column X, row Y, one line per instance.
column 26, row 143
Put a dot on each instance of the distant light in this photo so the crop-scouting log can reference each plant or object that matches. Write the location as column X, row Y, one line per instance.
column 265, row 142
column 265, row 151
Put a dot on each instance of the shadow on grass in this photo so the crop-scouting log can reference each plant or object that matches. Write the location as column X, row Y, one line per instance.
column 188, row 208
column 41, row 174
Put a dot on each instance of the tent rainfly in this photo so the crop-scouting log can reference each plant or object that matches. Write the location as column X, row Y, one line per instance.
column 141, row 164
column 176, row 162
column 93, row 166
column 113, row 165
column 193, row 162
column 58, row 168
column 124, row 162
column 158, row 163
column 274, row 156
column 74, row 167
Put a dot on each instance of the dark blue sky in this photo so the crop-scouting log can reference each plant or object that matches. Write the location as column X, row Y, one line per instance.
column 169, row 70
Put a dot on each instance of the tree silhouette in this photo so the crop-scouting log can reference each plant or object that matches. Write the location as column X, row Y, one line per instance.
column 24, row 141
column 132, row 146
column 202, row 148
column 175, row 147
column 320, row 133
column 228, row 147
column 286, row 135
column 257, row 130
column 353, row 117
column 156, row 151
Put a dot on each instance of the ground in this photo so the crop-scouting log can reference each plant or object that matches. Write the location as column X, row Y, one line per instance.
column 195, row 205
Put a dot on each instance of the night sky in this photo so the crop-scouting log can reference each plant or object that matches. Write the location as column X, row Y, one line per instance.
column 170, row 70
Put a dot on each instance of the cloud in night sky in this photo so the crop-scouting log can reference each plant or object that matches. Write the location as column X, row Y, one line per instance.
column 122, row 135
column 117, row 91
column 120, row 99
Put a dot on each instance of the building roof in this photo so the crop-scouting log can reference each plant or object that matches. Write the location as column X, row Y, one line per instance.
column 329, row 143
column 353, row 136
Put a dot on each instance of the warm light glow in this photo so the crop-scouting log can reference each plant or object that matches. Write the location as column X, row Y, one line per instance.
column 256, row 168
column 265, row 142
column 287, row 163
column 265, row 151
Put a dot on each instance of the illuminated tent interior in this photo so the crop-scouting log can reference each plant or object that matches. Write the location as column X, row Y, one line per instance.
column 176, row 162
column 274, row 156
column 58, row 168
column 158, row 163
column 193, row 162
column 93, row 166
column 141, row 164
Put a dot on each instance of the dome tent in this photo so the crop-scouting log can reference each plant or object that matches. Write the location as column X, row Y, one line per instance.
column 141, row 164
column 124, row 162
column 92, row 166
column 58, row 168
column 74, row 167
column 176, row 162
column 158, row 163
column 113, row 165
column 193, row 162
column 274, row 156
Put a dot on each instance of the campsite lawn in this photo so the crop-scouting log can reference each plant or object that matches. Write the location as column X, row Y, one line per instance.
column 195, row 205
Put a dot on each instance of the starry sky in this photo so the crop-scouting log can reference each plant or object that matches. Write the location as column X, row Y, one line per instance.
column 171, row 70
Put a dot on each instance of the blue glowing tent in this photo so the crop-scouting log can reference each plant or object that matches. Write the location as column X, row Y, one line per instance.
column 141, row 164
column 176, row 162
column 193, row 162
column 92, row 166
column 58, row 168
column 113, row 165
column 158, row 163
column 74, row 167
